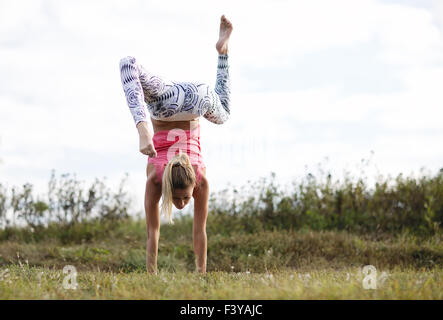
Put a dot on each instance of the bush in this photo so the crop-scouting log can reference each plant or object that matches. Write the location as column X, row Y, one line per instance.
column 394, row 205
column 71, row 213
column 66, row 205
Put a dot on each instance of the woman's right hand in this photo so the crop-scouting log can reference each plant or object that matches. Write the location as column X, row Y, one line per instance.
column 147, row 146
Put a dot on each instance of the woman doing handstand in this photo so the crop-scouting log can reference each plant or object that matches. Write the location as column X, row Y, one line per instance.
column 175, row 108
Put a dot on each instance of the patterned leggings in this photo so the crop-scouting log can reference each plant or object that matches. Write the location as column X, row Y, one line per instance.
column 175, row 101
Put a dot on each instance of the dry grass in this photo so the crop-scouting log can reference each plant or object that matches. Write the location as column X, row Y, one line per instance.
column 24, row 282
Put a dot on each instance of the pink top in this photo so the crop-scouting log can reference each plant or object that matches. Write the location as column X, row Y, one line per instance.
column 167, row 143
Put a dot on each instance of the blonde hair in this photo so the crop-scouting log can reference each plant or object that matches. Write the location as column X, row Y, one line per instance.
column 178, row 174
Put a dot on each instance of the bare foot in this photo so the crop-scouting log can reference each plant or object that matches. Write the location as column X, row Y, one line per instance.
column 225, row 33
column 147, row 147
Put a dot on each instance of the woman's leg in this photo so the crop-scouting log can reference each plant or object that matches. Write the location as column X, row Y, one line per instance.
column 140, row 86
column 152, row 198
column 218, row 112
column 175, row 101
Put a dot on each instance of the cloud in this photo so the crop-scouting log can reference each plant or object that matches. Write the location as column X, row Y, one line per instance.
column 309, row 79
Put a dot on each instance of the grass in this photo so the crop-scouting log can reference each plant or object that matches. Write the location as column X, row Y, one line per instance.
column 278, row 264
column 124, row 250
column 25, row 282
column 265, row 241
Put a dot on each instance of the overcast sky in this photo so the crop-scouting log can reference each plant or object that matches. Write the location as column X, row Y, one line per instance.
column 310, row 79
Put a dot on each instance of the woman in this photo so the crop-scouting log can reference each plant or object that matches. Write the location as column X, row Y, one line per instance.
column 174, row 109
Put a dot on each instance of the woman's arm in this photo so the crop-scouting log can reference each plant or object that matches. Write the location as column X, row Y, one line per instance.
column 201, row 197
column 153, row 194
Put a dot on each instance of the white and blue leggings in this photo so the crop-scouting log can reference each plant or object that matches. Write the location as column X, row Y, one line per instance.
column 175, row 101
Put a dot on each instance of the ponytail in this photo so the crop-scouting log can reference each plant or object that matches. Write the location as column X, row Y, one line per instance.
column 178, row 174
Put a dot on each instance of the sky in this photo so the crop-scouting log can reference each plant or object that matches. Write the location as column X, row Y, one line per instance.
column 313, row 82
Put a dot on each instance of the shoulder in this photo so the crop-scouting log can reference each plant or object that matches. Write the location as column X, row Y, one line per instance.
column 200, row 174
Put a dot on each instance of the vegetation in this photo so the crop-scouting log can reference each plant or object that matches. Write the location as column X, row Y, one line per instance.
column 24, row 282
column 402, row 204
column 264, row 241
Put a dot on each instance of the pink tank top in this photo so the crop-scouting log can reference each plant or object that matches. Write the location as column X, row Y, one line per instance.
column 167, row 143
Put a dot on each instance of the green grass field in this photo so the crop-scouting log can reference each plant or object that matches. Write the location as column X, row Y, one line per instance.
column 312, row 241
column 280, row 264
column 24, row 282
